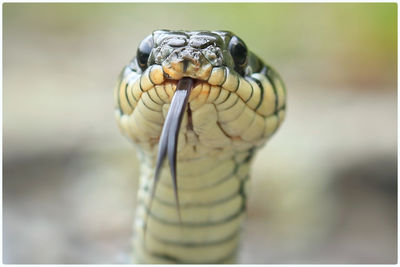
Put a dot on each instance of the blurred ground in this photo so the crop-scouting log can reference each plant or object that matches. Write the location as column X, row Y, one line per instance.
column 324, row 188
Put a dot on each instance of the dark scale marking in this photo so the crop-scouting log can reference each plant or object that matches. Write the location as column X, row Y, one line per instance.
column 252, row 90
column 144, row 103
column 140, row 258
column 196, row 245
column 261, row 91
column 225, row 178
column 222, row 129
column 278, row 110
column 277, row 114
column 137, row 100
column 235, row 170
column 233, row 73
column 194, row 205
column 234, row 103
column 226, row 98
column 275, row 76
column 126, row 95
column 209, row 75
column 144, row 74
column 192, row 225
column 237, row 84
column 158, row 94
column 267, row 72
column 151, row 67
column 277, row 117
column 152, row 98
column 140, row 83
column 226, row 73
column 126, row 71
column 250, row 156
column 229, row 257
column 158, row 123
column 164, row 256
column 242, row 193
column 219, row 93
column 205, row 171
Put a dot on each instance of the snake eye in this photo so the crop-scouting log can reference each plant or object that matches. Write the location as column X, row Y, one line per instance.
column 238, row 50
column 144, row 51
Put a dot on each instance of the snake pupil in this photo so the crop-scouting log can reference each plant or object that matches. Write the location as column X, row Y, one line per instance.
column 144, row 51
column 238, row 50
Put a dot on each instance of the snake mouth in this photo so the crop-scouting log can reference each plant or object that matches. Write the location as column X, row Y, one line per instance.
column 167, row 146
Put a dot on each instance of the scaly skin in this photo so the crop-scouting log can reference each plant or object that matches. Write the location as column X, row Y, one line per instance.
column 232, row 111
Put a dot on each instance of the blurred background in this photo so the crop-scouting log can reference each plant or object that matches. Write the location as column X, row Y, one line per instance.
column 324, row 189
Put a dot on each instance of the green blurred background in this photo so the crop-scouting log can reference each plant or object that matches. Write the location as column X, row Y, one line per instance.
column 324, row 188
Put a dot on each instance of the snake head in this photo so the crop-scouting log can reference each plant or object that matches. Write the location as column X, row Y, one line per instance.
column 236, row 101
column 192, row 54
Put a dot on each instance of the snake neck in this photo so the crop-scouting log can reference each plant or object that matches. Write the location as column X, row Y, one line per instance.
column 212, row 202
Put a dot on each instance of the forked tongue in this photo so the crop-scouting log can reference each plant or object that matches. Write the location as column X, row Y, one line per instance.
column 169, row 136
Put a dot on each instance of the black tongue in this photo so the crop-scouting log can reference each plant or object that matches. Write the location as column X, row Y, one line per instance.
column 169, row 135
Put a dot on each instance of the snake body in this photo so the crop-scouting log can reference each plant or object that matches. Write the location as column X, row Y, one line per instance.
column 233, row 104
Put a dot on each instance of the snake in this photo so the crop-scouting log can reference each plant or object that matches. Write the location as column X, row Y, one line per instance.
column 197, row 105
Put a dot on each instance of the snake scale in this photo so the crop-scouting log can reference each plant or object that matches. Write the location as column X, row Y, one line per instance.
column 204, row 103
